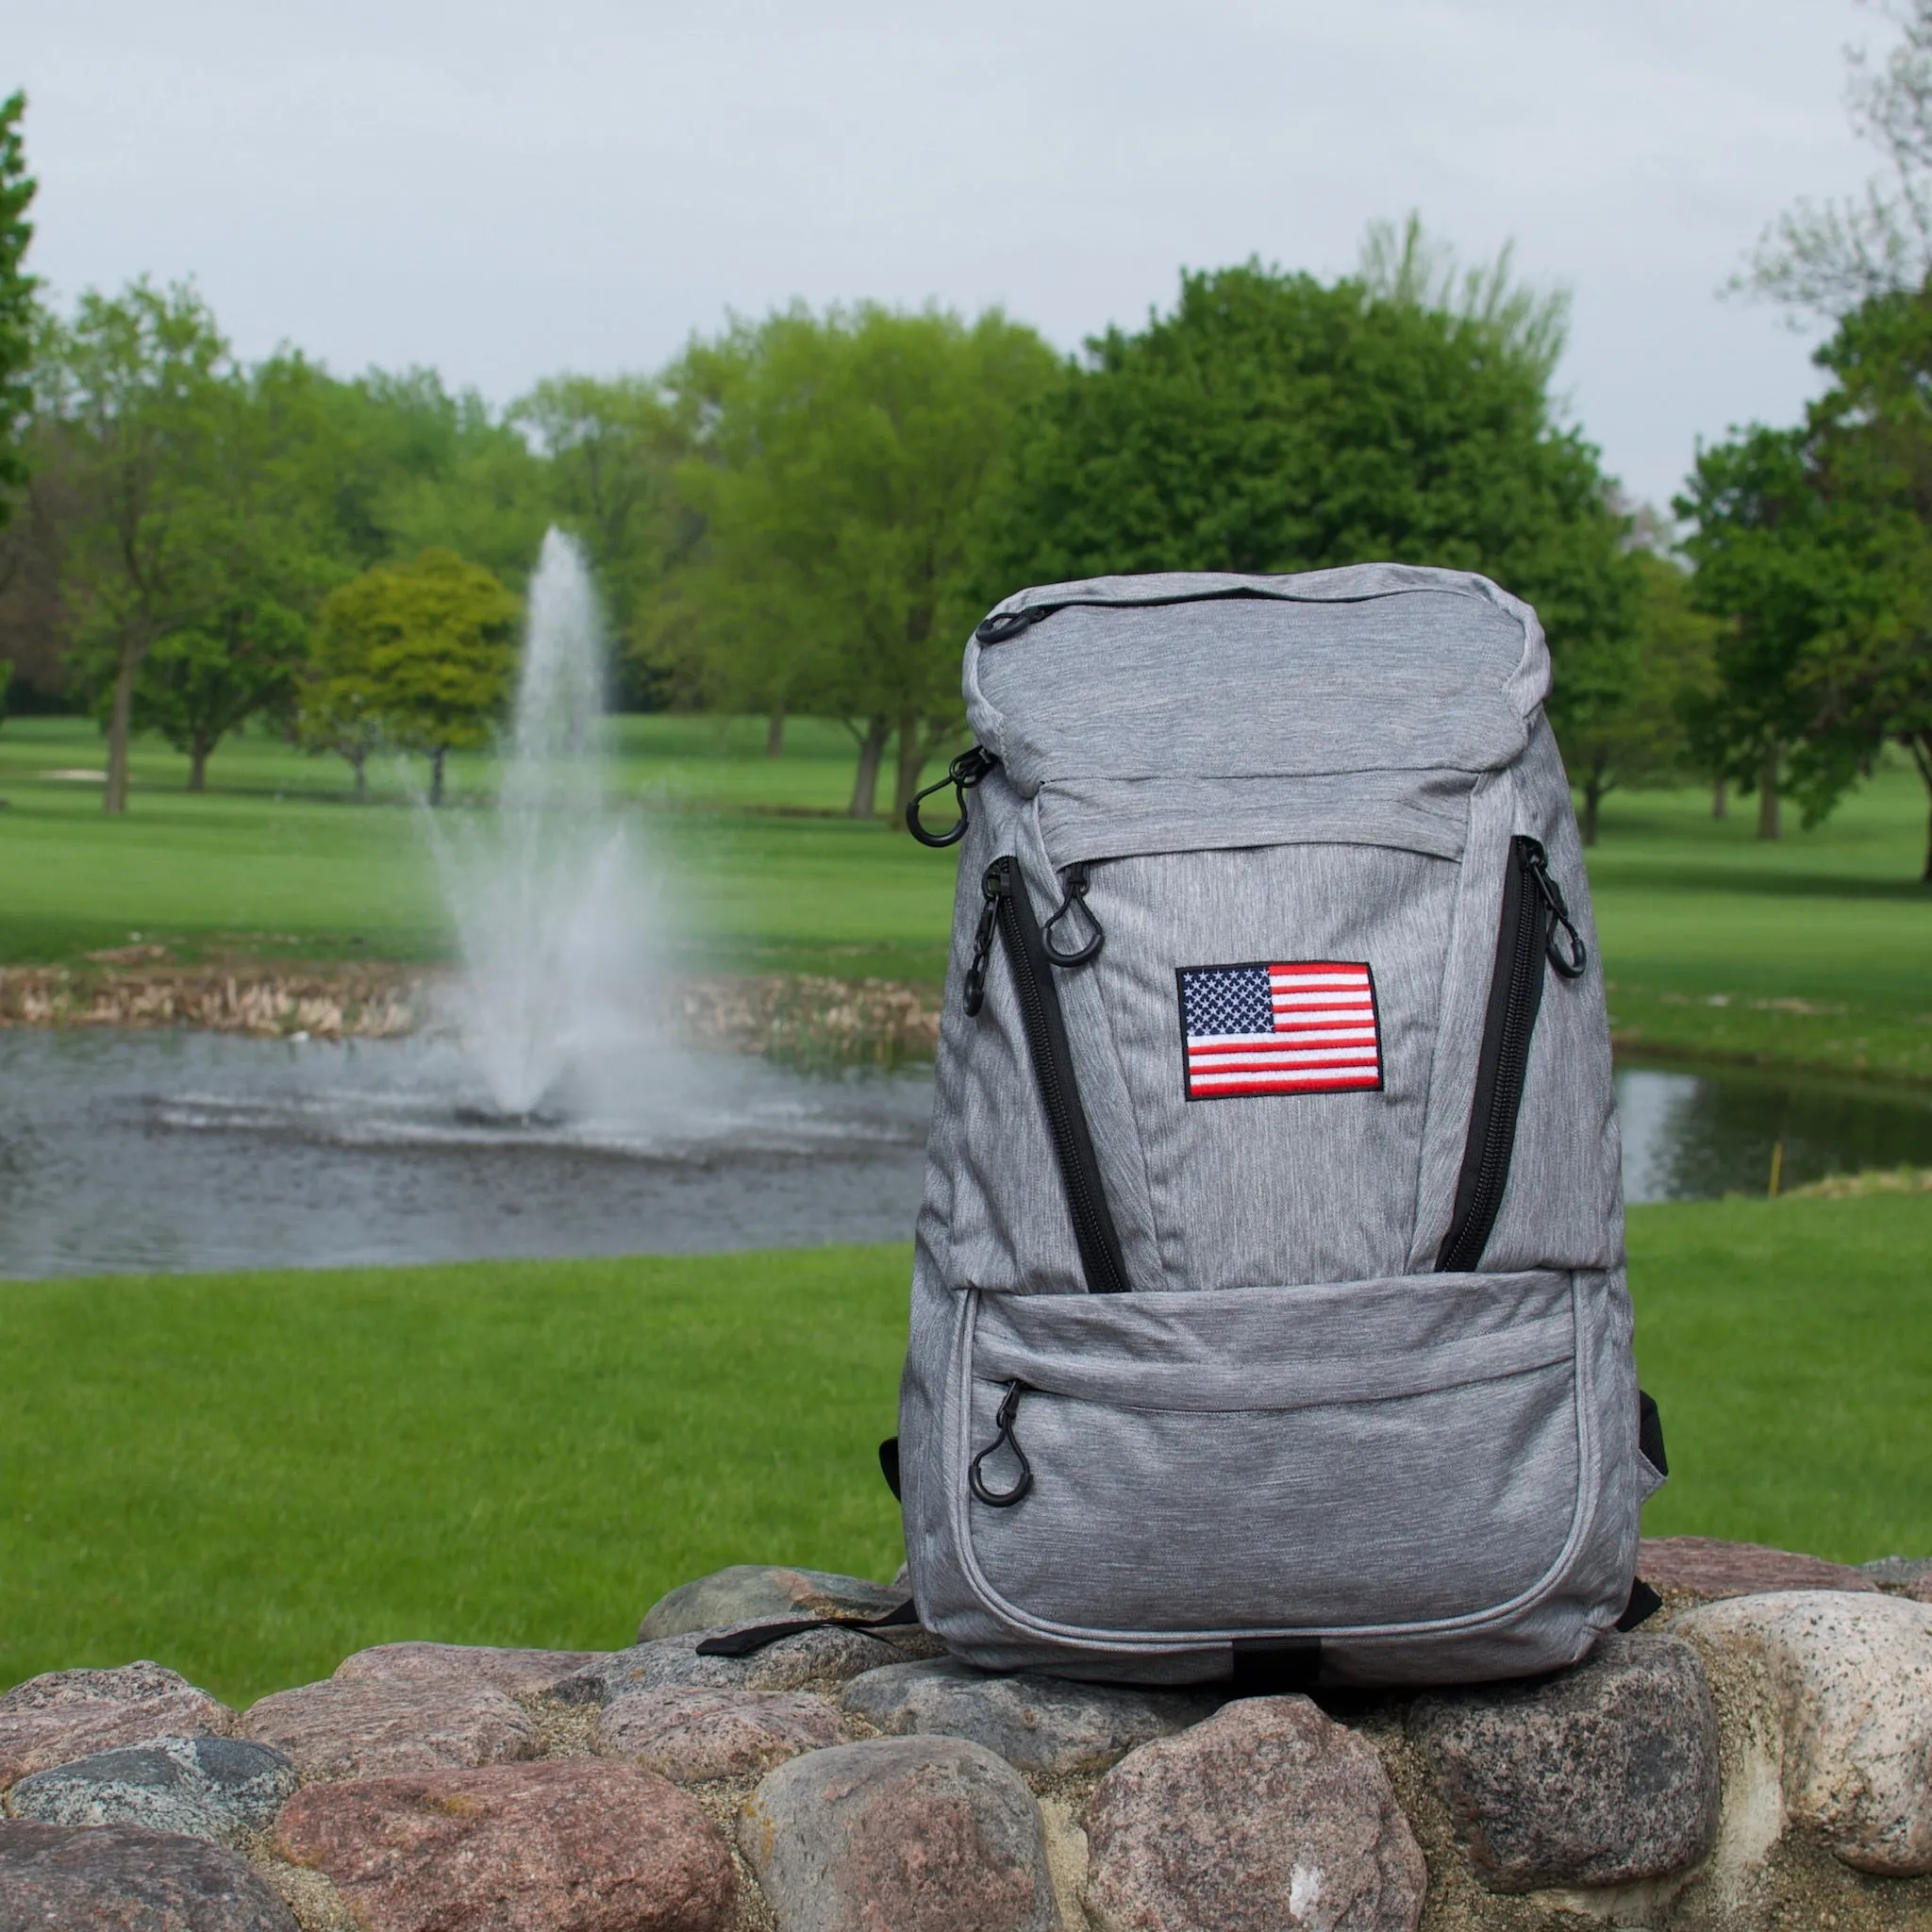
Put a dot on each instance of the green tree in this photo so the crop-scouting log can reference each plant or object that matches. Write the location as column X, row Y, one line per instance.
column 19, row 303
column 1770, row 562
column 611, row 452
column 140, row 380
column 1870, row 671
column 839, row 466
column 1641, row 735
column 1272, row 422
column 432, row 646
column 203, row 681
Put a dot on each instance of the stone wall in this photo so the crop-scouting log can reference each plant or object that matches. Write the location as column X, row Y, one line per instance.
column 1759, row 1757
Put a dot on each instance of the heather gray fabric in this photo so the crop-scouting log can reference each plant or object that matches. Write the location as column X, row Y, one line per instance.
column 1292, row 1427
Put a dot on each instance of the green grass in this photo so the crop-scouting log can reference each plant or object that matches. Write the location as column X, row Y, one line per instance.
column 249, row 1476
column 1717, row 943
column 1789, row 1344
column 1813, row 951
column 767, row 873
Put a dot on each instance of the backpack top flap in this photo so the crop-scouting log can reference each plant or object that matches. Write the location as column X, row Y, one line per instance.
column 1381, row 666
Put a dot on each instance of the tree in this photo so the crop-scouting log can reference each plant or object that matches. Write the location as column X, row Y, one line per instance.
column 138, row 380
column 19, row 305
column 611, row 451
column 1273, row 423
column 1768, row 562
column 1871, row 450
column 432, row 645
column 203, row 681
column 1830, row 258
column 1643, row 736
column 838, row 467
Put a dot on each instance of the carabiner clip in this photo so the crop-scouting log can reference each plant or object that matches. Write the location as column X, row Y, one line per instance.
column 1003, row 1499
column 1569, row 960
column 962, row 775
column 1075, row 893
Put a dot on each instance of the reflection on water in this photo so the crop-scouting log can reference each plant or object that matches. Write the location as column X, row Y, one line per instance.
column 191, row 1151
column 1690, row 1135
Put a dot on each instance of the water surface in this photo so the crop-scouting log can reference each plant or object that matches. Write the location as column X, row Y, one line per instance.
column 165, row 1150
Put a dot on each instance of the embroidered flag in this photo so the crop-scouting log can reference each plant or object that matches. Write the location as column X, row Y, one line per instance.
column 1306, row 1026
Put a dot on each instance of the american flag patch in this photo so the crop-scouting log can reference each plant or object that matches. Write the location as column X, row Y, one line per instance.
column 1304, row 1026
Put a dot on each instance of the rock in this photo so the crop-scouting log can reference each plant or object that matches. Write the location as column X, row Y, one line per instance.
column 750, row 1593
column 209, row 1788
column 380, row 1726
column 690, row 1732
column 1268, row 1816
column 1605, row 1774
column 1706, row 1567
column 516, row 1673
column 65, row 1877
column 1899, row 1572
column 68, row 1714
column 900, row 1834
column 1844, row 1683
column 581, row 1845
column 1036, row 1723
column 813, row 1656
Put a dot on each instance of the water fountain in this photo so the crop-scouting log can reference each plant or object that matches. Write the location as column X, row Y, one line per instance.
column 558, row 921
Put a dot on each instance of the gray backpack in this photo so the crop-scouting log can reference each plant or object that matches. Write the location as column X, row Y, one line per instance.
column 1268, row 1315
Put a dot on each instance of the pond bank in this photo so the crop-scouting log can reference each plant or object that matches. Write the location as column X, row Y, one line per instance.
column 808, row 1017
column 790, row 1017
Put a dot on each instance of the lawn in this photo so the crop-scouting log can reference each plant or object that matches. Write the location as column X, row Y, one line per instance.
column 1815, row 951
column 248, row 1477
column 276, row 862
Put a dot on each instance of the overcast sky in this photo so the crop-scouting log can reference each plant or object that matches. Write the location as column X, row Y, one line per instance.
column 506, row 190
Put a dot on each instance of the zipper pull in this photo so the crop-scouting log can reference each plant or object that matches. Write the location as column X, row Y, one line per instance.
column 1074, row 894
column 993, row 885
column 1570, row 961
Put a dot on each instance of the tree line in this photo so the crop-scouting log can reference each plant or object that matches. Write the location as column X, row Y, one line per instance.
column 805, row 514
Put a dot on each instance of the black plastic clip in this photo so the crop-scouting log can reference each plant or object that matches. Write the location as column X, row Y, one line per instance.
column 1002, row 625
column 1073, row 893
column 1003, row 1499
column 1569, row 960
column 962, row 775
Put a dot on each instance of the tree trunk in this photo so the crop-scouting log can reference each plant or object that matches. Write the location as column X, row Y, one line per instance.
column 198, row 765
column 357, row 762
column 1592, row 801
column 912, row 757
column 1720, row 802
column 865, row 781
column 436, row 763
column 1920, row 749
column 1769, row 824
column 119, row 715
column 775, row 736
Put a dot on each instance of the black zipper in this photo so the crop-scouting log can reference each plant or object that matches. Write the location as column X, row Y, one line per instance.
column 1533, row 910
column 1009, row 906
column 1001, row 625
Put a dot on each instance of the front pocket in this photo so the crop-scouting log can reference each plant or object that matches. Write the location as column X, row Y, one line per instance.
column 1341, row 1457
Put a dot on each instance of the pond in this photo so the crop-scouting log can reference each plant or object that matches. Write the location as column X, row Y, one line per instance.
column 130, row 1150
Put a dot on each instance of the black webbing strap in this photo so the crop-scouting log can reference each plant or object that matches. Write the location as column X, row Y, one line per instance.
column 1644, row 1604
column 1268, row 1667
column 756, row 1636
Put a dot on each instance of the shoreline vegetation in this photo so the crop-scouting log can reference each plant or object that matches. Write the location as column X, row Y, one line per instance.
column 801, row 1017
